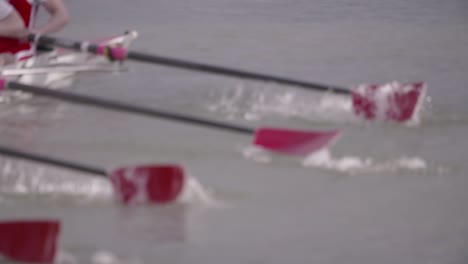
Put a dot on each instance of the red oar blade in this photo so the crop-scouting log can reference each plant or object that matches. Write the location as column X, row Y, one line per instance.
column 390, row 102
column 148, row 184
column 293, row 142
column 29, row 240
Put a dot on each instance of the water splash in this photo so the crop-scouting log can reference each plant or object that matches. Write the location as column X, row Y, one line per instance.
column 65, row 257
column 106, row 257
column 22, row 178
column 396, row 101
column 257, row 154
column 348, row 164
column 353, row 164
column 19, row 178
column 99, row 257
column 195, row 193
column 263, row 100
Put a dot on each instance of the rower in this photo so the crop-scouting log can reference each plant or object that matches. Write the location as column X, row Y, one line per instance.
column 17, row 20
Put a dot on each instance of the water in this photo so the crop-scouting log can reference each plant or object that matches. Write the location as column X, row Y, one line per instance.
column 383, row 193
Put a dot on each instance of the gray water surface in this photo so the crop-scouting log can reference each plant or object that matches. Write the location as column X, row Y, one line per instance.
column 388, row 193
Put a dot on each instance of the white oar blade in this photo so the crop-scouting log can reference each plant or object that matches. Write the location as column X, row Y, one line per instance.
column 148, row 184
column 31, row 241
column 293, row 142
column 390, row 102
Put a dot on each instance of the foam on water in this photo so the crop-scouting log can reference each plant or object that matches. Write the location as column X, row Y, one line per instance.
column 106, row 257
column 21, row 178
column 258, row 101
column 65, row 257
column 348, row 164
column 257, row 154
column 18, row 178
column 353, row 164
column 99, row 257
column 194, row 193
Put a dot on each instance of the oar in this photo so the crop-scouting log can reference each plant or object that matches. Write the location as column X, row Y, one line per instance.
column 400, row 103
column 29, row 241
column 141, row 184
column 58, row 69
column 292, row 142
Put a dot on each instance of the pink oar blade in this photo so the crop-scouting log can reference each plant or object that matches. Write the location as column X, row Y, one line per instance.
column 390, row 102
column 148, row 184
column 294, row 142
column 32, row 241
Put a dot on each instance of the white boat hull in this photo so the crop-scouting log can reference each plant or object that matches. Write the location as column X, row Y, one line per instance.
column 58, row 68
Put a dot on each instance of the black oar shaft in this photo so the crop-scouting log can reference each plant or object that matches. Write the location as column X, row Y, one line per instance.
column 202, row 67
column 52, row 161
column 123, row 107
column 189, row 65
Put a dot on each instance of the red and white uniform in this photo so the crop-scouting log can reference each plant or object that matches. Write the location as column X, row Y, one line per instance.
column 27, row 10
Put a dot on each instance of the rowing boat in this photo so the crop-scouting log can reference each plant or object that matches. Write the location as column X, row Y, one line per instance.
column 58, row 67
